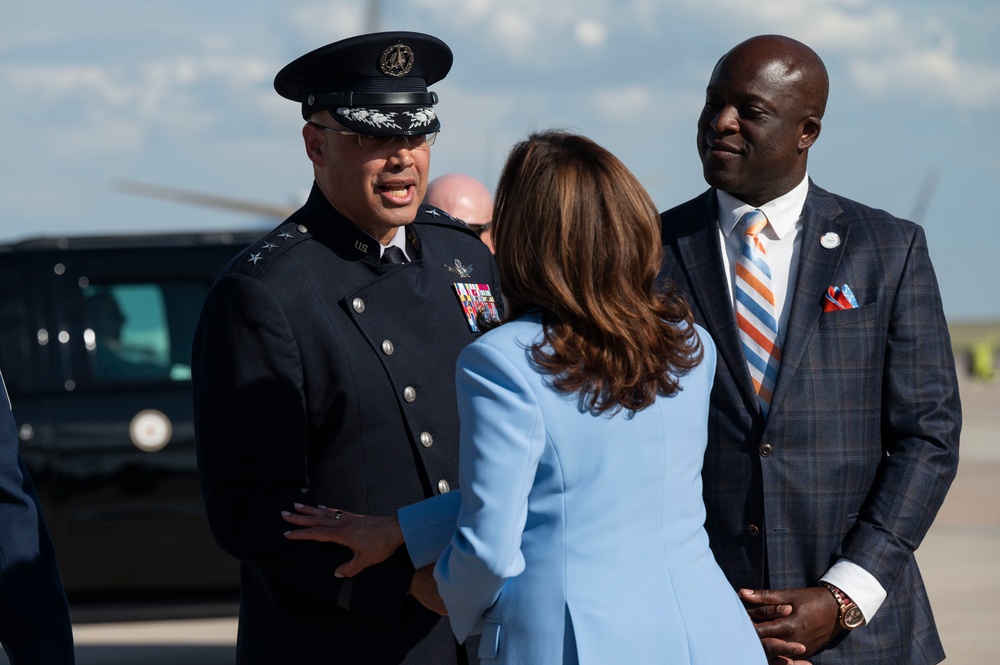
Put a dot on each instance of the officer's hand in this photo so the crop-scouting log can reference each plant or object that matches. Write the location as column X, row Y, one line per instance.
column 792, row 622
column 425, row 589
column 373, row 539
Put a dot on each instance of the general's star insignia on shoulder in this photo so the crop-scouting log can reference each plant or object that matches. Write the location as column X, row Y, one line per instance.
column 459, row 269
column 476, row 298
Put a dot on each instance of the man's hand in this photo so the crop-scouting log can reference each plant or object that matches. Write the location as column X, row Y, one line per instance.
column 792, row 622
column 425, row 589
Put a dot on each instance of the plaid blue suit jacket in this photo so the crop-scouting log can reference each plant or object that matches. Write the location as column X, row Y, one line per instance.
column 862, row 440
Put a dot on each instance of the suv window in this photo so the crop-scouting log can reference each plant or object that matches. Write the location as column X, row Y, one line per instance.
column 138, row 332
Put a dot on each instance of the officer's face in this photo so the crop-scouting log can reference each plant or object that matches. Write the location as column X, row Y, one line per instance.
column 378, row 188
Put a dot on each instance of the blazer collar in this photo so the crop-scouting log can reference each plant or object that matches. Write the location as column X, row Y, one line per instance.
column 817, row 269
column 698, row 245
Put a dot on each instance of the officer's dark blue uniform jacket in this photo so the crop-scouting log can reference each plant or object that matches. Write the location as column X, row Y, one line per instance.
column 34, row 618
column 322, row 377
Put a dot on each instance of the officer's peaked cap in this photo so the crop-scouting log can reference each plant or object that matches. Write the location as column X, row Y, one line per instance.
column 373, row 84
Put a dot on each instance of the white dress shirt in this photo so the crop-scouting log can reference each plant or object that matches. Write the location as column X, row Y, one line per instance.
column 398, row 240
column 783, row 243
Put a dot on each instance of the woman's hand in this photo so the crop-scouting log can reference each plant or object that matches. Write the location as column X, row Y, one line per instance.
column 373, row 539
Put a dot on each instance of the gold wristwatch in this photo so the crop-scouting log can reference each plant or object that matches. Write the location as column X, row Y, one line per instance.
column 850, row 616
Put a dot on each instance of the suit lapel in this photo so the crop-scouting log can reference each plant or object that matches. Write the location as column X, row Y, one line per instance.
column 702, row 258
column 817, row 269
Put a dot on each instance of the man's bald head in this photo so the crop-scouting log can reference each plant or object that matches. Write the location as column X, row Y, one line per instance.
column 788, row 63
column 465, row 198
column 461, row 196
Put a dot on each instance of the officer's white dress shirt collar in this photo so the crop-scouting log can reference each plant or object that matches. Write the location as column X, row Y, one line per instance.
column 398, row 240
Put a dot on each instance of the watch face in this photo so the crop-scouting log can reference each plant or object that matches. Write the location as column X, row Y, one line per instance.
column 853, row 618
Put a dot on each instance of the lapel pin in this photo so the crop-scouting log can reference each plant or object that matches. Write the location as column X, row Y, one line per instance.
column 830, row 240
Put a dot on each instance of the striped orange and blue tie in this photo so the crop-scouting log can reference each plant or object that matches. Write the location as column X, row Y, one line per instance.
column 755, row 310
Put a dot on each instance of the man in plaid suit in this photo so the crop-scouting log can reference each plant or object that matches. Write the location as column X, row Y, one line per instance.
column 815, row 510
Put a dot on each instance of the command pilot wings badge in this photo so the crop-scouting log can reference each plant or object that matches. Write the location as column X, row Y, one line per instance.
column 459, row 269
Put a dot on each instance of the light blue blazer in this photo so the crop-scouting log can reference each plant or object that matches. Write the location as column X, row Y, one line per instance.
column 580, row 538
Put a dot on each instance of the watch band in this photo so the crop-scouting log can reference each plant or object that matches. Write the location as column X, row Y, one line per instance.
column 850, row 615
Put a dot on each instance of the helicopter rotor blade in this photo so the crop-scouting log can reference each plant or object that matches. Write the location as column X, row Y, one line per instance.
column 201, row 199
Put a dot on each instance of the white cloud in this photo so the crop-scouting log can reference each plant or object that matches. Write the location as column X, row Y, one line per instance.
column 538, row 32
column 325, row 22
column 628, row 103
column 934, row 75
column 514, row 29
column 590, row 33
column 168, row 93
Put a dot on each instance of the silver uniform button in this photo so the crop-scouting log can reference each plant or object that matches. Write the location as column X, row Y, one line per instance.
column 443, row 487
column 426, row 440
column 409, row 393
column 358, row 304
column 302, row 228
column 387, row 348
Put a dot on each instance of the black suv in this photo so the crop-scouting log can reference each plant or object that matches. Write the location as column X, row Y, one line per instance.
column 95, row 348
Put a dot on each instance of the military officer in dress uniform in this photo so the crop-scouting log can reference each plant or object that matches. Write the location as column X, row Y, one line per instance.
column 324, row 363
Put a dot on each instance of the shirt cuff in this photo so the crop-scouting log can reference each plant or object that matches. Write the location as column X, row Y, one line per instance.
column 859, row 585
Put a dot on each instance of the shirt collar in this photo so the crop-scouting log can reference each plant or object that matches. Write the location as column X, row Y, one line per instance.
column 782, row 213
column 398, row 240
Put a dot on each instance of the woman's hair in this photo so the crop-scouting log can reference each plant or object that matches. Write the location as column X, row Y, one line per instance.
column 577, row 236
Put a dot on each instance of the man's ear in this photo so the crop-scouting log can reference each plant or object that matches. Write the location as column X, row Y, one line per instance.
column 315, row 146
column 809, row 132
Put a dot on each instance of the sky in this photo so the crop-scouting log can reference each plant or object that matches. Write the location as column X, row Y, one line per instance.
column 179, row 94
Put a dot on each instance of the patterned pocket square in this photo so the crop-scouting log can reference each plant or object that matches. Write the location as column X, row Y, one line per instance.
column 839, row 297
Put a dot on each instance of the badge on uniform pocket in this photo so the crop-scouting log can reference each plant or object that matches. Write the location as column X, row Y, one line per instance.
column 476, row 298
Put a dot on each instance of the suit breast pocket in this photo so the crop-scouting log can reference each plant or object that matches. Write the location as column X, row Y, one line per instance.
column 848, row 317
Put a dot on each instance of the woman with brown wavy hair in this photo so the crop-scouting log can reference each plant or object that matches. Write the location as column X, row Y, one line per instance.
column 581, row 242
column 579, row 532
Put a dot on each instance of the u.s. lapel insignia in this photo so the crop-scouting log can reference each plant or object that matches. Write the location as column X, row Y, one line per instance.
column 459, row 269
column 476, row 298
column 360, row 246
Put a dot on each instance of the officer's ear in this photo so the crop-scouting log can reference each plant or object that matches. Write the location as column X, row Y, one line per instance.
column 315, row 143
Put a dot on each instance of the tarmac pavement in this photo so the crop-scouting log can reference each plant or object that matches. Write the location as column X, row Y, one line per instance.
column 960, row 557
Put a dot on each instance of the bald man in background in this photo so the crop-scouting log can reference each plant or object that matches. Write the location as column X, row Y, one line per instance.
column 465, row 198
